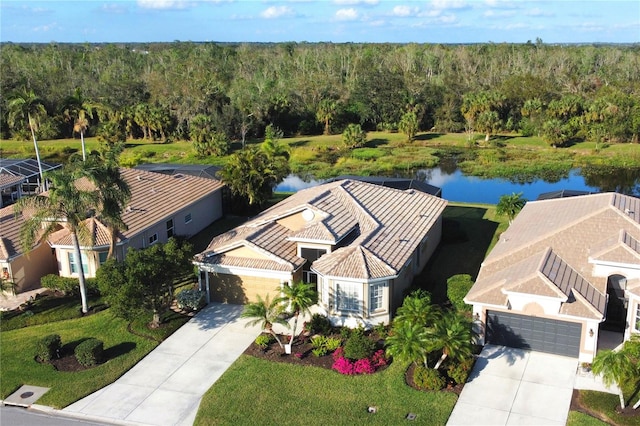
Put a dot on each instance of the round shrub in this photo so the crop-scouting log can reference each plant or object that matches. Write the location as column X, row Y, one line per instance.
column 459, row 371
column 264, row 340
column 358, row 346
column 89, row 352
column 427, row 378
column 192, row 299
column 47, row 348
column 319, row 324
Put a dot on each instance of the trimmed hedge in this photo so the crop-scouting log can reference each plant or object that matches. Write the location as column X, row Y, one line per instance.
column 89, row 352
column 457, row 288
column 68, row 286
column 358, row 346
column 47, row 348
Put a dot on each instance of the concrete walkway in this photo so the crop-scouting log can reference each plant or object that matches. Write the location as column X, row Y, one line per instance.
column 516, row 387
column 165, row 387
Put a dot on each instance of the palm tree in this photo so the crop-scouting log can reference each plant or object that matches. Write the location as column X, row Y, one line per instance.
column 407, row 342
column 453, row 334
column 353, row 136
column 266, row 313
column 325, row 113
column 79, row 111
column 510, row 205
column 25, row 105
column 417, row 309
column 409, row 125
column 614, row 367
column 298, row 297
column 65, row 205
column 112, row 190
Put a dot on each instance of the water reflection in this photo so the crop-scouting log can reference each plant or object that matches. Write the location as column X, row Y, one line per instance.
column 458, row 187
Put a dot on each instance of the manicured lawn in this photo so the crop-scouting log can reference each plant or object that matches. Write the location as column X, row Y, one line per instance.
column 604, row 404
column 469, row 233
column 577, row 418
column 122, row 351
column 255, row 391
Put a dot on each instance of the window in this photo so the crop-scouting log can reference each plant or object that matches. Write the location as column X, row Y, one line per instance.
column 311, row 254
column 376, row 292
column 348, row 296
column 153, row 239
column 102, row 256
column 638, row 317
column 170, row 228
column 73, row 265
column 187, row 218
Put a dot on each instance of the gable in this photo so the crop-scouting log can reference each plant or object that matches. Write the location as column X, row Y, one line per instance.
column 247, row 252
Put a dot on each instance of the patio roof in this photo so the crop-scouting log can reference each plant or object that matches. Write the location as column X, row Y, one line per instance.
column 27, row 168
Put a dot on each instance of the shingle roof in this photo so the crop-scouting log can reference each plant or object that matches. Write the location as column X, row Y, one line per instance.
column 571, row 232
column 155, row 197
column 390, row 224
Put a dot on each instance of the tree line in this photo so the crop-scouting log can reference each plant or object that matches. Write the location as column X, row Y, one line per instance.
column 213, row 93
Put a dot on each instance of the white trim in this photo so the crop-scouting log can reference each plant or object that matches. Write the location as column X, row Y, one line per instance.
column 357, row 280
column 247, row 272
column 614, row 264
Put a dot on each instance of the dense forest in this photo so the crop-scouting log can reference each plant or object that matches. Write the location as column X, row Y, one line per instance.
column 182, row 90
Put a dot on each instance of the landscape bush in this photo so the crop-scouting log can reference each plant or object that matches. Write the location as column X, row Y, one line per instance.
column 89, row 352
column 191, row 298
column 427, row 378
column 457, row 288
column 319, row 324
column 358, row 346
column 68, row 286
column 367, row 365
column 48, row 347
column 459, row 371
column 264, row 340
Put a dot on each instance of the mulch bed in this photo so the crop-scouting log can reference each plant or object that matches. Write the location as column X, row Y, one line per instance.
column 301, row 345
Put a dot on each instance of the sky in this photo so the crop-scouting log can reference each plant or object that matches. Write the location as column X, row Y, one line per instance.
column 338, row 21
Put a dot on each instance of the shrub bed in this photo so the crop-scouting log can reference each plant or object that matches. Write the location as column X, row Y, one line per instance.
column 90, row 352
column 48, row 347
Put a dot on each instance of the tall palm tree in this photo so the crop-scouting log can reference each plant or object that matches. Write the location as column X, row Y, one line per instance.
column 79, row 111
column 26, row 105
column 407, row 342
column 266, row 313
column 65, row 205
column 453, row 334
column 510, row 205
column 299, row 297
column 326, row 112
column 615, row 367
column 113, row 192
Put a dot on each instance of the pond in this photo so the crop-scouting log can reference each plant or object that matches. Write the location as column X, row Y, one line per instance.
column 456, row 186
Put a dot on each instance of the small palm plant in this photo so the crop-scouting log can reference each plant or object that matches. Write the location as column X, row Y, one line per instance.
column 615, row 367
column 407, row 342
column 452, row 334
column 510, row 205
column 299, row 297
column 266, row 313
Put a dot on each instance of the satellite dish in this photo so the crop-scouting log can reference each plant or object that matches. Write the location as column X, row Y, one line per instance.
column 308, row 215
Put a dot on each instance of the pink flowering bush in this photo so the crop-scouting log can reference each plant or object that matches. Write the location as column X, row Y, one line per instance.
column 362, row 366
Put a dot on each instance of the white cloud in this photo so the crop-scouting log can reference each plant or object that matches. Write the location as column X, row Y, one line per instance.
column 347, row 14
column 277, row 12
column 539, row 12
column 498, row 13
column 356, row 2
column 46, row 28
column 113, row 8
column 404, row 11
column 448, row 4
column 163, row 4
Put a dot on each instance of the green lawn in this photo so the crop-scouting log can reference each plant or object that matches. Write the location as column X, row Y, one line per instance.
column 577, row 418
column 605, row 404
column 122, row 351
column 255, row 391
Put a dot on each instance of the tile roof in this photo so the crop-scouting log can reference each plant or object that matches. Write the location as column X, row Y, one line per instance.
column 9, row 233
column 572, row 232
column 389, row 223
column 7, row 180
column 155, row 197
column 96, row 232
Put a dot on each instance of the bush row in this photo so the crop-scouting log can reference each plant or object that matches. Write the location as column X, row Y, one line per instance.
column 88, row 353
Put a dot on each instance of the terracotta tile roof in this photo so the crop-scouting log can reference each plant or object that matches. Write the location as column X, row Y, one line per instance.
column 575, row 231
column 7, row 180
column 9, row 233
column 154, row 197
column 97, row 234
column 391, row 223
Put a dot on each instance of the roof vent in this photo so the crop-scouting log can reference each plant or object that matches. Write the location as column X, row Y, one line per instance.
column 178, row 176
column 308, row 215
column 629, row 212
column 139, row 177
column 129, row 209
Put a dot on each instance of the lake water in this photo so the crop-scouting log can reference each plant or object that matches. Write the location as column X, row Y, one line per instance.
column 458, row 187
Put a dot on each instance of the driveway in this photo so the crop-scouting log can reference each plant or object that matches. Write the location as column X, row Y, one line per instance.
column 516, row 387
column 166, row 386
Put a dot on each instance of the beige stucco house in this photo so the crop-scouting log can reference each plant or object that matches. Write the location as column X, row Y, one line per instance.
column 564, row 270
column 160, row 207
column 361, row 243
column 23, row 270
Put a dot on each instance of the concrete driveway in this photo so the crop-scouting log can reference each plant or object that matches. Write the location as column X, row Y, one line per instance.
column 516, row 387
column 166, row 386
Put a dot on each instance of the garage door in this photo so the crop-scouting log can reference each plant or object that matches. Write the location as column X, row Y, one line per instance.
column 536, row 334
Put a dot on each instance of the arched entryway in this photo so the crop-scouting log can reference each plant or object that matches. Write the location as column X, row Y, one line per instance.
column 616, row 319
